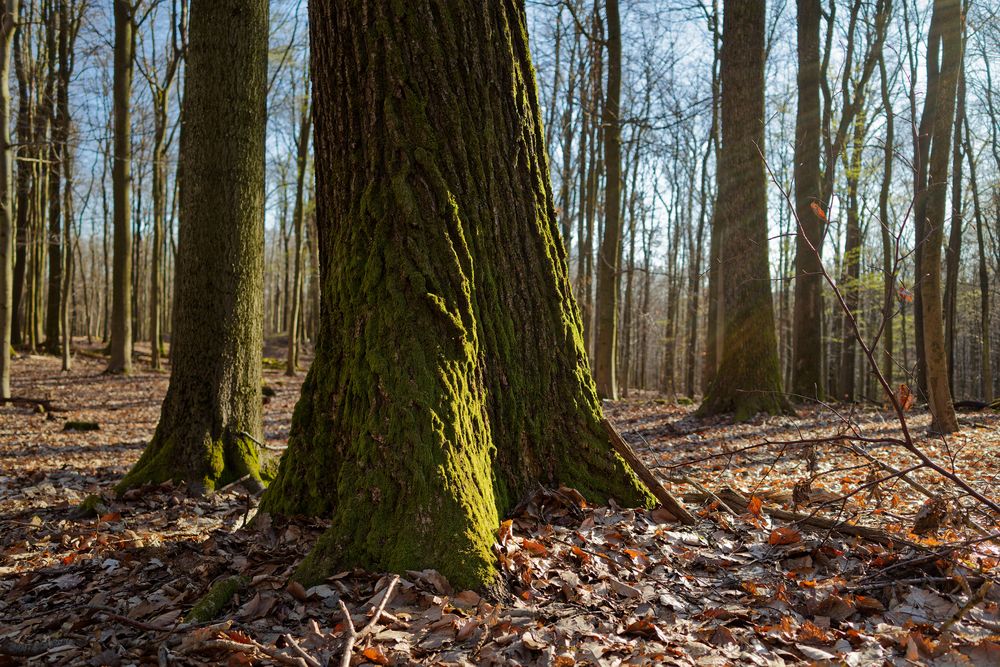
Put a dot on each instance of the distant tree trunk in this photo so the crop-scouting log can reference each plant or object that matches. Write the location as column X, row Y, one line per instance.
column 121, row 180
column 985, row 322
column 25, row 132
column 888, row 239
column 8, row 28
column 609, row 257
column 298, row 216
column 946, row 30
column 851, row 271
column 67, row 34
column 212, row 411
column 748, row 379
column 953, row 256
column 713, row 337
column 807, row 328
column 56, row 149
column 449, row 377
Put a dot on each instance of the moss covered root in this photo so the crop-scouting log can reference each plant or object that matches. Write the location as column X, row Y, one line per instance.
column 204, row 466
column 215, row 600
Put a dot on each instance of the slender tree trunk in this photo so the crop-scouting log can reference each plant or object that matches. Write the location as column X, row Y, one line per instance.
column 851, row 271
column 946, row 29
column 609, row 257
column 121, row 179
column 713, row 337
column 953, row 255
column 57, row 150
column 889, row 267
column 748, row 379
column 807, row 327
column 413, row 440
column 985, row 322
column 212, row 412
column 298, row 215
column 8, row 28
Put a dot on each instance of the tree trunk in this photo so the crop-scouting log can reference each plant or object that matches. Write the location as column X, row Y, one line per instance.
column 748, row 379
column 212, row 411
column 953, row 256
column 56, row 153
column 121, row 183
column 850, row 282
column 946, row 28
column 985, row 360
column 8, row 27
column 807, row 326
column 609, row 257
column 298, row 215
column 889, row 250
column 450, row 376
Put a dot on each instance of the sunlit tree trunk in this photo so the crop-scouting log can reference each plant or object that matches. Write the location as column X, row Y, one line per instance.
column 748, row 379
column 121, row 179
column 8, row 28
column 946, row 30
column 212, row 412
column 450, row 376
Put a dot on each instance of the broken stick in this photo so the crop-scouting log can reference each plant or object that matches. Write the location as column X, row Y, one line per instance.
column 646, row 476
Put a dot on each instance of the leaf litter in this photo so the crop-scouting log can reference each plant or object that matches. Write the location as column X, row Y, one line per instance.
column 583, row 585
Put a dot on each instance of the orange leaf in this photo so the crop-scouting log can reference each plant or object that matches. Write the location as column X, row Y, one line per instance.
column 905, row 295
column 818, row 210
column 506, row 531
column 755, row 506
column 374, row 654
column 537, row 548
column 905, row 397
column 783, row 535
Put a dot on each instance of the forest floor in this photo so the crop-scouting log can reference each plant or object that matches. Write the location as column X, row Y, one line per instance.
column 589, row 585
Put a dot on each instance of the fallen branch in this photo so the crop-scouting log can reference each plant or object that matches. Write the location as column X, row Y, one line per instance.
column 870, row 534
column 19, row 650
column 353, row 635
column 646, row 476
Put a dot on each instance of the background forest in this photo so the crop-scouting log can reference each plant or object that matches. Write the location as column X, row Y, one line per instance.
column 62, row 120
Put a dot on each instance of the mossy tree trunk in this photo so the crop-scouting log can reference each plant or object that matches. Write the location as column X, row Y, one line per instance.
column 945, row 36
column 213, row 402
column 748, row 378
column 121, row 186
column 450, row 376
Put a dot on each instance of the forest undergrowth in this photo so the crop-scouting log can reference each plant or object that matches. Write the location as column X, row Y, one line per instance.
column 808, row 549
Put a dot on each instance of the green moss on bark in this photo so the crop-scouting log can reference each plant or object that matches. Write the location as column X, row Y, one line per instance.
column 450, row 377
column 216, row 599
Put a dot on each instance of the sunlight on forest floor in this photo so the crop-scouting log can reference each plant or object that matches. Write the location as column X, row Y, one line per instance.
column 589, row 585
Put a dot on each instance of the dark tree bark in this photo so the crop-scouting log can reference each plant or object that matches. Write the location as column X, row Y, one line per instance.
column 212, row 411
column 450, row 376
column 121, row 180
column 298, row 217
column 807, row 326
column 748, row 379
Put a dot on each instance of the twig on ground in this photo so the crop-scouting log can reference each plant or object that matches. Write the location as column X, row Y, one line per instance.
column 972, row 602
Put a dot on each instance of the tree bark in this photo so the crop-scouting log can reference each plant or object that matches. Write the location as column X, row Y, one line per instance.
column 450, row 376
column 946, row 29
column 212, row 412
column 609, row 257
column 8, row 28
column 121, row 185
column 748, row 379
column 807, row 327
column 985, row 321
column 298, row 216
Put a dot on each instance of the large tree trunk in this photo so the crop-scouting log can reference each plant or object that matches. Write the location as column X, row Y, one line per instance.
column 609, row 257
column 56, row 153
column 121, row 184
column 212, row 412
column 748, row 379
column 946, row 28
column 953, row 254
column 450, row 376
column 8, row 27
column 807, row 326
